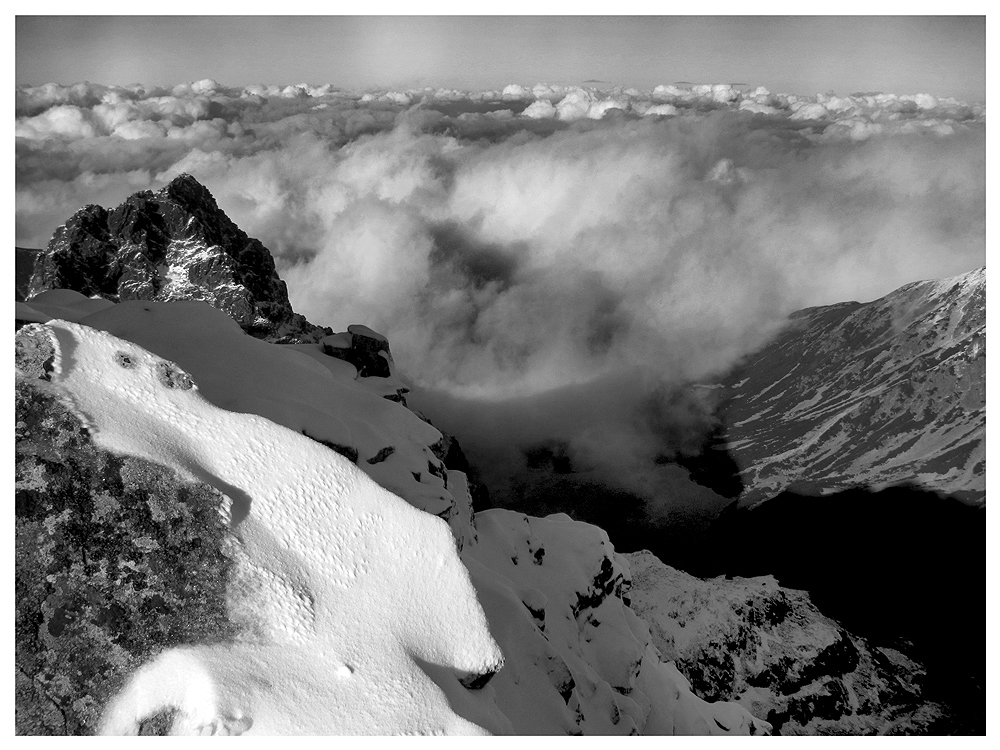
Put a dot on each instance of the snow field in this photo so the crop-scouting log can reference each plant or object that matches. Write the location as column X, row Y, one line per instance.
column 358, row 578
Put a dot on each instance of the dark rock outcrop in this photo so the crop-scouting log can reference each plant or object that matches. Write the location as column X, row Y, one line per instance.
column 369, row 352
column 768, row 648
column 877, row 562
column 362, row 347
column 609, row 581
column 116, row 559
column 449, row 451
column 175, row 243
column 24, row 265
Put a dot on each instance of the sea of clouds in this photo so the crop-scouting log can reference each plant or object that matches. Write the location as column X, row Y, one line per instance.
column 568, row 249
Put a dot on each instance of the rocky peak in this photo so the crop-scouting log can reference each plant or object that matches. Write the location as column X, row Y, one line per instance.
column 175, row 243
column 186, row 191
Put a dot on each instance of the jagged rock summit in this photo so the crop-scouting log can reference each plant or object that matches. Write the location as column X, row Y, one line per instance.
column 175, row 243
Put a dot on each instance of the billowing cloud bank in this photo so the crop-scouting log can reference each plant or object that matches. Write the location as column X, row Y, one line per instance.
column 514, row 242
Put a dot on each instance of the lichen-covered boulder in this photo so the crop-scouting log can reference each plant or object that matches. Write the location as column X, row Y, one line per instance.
column 116, row 560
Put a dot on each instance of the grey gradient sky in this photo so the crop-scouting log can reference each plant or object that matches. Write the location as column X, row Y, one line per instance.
column 944, row 56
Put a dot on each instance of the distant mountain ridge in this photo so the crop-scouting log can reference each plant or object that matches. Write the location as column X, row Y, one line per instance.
column 887, row 392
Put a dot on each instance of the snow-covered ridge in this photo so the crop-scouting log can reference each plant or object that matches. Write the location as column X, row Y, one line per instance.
column 354, row 586
column 308, row 450
column 868, row 395
column 359, row 615
column 296, row 386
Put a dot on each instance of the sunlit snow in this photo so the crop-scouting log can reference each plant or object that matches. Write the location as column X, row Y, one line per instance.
column 356, row 588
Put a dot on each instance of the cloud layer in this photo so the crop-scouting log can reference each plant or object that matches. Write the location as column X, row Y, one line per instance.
column 518, row 242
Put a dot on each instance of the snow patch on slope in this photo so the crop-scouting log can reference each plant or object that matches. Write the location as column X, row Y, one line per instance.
column 59, row 303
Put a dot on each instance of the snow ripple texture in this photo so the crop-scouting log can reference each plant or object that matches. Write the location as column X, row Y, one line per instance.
column 365, row 597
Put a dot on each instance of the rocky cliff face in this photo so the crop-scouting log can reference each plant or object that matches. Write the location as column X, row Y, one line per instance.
column 768, row 648
column 175, row 243
column 870, row 395
column 902, row 567
column 24, row 266
column 891, row 391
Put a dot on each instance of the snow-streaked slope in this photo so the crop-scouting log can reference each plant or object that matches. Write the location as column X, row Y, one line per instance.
column 355, row 598
column 868, row 394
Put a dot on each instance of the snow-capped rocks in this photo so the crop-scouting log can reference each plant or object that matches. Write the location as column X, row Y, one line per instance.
column 579, row 661
column 871, row 394
column 768, row 648
column 369, row 352
column 363, row 348
column 175, row 243
column 356, row 613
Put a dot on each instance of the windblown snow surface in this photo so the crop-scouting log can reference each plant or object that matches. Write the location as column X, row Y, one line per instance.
column 353, row 586
column 360, row 613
